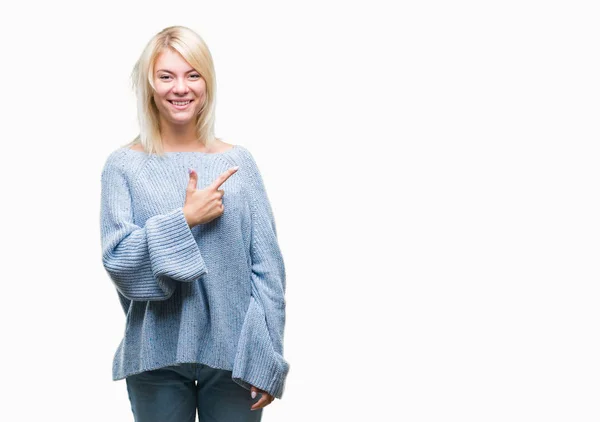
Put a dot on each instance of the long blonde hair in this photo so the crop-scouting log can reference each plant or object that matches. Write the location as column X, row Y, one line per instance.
column 195, row 51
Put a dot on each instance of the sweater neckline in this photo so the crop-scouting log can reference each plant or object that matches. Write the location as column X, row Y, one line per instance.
column 178, row 153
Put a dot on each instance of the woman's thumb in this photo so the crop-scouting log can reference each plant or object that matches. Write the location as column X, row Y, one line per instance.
column 193, row 182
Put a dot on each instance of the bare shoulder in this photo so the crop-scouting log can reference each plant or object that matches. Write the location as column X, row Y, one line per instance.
column 137, row 147
column 222, row 146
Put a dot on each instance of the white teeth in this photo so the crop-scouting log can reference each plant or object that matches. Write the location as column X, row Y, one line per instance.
column 180, row 103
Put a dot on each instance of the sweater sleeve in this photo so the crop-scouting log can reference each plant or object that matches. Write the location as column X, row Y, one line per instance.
column 144, row 263
column 259, row 359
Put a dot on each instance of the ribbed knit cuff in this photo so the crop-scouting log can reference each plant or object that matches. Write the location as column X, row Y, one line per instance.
column 256, row 362
column 173, row 248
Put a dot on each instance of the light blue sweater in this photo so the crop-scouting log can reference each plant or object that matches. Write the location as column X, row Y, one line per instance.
column 210, row 294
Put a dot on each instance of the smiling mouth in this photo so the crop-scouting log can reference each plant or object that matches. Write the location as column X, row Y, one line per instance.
column 180, row 103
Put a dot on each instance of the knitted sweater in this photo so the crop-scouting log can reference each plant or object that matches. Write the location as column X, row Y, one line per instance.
column 211, row 294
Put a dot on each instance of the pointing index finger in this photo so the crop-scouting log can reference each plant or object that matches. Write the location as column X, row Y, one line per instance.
column 223, row 177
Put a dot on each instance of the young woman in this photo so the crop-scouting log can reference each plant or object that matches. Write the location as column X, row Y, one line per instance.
column 189, row 241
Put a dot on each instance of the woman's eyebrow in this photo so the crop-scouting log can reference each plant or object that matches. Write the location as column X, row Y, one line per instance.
column 168, row 71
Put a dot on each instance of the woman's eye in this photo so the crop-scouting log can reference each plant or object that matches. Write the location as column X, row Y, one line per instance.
column 166, row 77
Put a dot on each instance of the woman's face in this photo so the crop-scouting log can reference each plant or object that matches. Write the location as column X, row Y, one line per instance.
column 180, row 90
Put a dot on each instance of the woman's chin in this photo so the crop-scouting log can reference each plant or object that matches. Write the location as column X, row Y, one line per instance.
column 181, row 120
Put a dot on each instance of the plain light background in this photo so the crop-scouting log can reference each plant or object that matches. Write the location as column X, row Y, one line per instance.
column 432, row 167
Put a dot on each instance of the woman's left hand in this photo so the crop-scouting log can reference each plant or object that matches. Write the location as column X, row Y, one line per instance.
column 265, row 399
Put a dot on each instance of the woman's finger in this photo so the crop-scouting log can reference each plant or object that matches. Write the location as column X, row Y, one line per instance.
column 193, row 181
column 264, row 400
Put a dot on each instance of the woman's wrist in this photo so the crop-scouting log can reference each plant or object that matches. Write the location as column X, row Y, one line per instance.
column 188, row 218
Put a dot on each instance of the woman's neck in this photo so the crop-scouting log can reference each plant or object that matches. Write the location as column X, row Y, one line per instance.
column 178, row 138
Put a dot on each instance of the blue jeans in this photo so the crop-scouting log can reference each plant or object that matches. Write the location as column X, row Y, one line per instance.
column 170, row 394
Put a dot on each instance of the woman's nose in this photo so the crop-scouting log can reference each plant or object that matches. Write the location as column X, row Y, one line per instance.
column 180, row 86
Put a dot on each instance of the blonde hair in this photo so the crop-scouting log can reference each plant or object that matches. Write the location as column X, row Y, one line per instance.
column 195, row 51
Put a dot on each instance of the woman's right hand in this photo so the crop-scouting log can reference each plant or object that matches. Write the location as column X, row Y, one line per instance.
column 204, row 205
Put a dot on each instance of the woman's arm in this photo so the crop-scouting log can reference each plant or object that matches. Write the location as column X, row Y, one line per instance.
column 268, row 269
column 144, row 263
column 259, row 359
